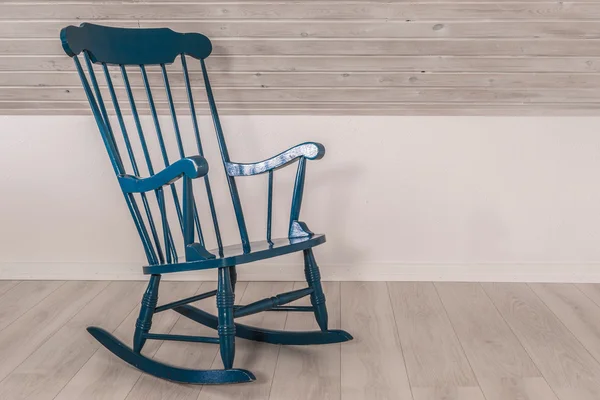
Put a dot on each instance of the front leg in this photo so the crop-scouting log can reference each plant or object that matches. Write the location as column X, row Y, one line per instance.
column 226, row 326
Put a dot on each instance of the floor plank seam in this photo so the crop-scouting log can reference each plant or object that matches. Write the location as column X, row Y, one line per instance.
column 53, row 333
column 585, row 294
column 10, row 289
column 521, row 343
column 410, row 386
column 277, row 360
column 162, row 342
column 218, row 352
column 30, row 308
column 94, row 353
column 462, row 347
column 565, row 325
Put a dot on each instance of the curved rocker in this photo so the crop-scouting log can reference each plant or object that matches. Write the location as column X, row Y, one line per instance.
column 165, row 371
column 267, row 335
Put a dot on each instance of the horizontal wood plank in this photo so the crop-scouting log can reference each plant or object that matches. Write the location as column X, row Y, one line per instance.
column 324, row 94
column 343, row 64
column 319, row 79
column 428, row 109
column 303, row 10
column 399, row 29
column 332, row 56
column 348, row 47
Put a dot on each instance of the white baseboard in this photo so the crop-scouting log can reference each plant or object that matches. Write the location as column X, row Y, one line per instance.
column 332, row 272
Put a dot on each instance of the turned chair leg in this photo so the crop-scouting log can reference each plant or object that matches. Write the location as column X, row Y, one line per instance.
column 144, row 321
column 226, row 327
column 317, row 297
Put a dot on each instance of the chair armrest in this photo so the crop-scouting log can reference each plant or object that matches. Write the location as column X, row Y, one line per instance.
column 310, row 150
column 191, row 167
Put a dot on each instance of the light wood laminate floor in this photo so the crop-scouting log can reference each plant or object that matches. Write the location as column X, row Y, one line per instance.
column 413, row 341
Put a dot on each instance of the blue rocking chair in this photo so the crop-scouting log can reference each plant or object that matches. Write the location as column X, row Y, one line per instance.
column 139, row 48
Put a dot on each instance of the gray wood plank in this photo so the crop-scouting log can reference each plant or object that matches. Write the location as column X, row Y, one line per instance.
column 320, row 79
column 400, row 29
column 344, row 64
column 355, row 47
column 182, row 354
column 436, row 364
column 303, row 10
column 591, row 290
column 372, row 364
column 327, row 94
column 105, row 376
column 22, row 297
column 47, row 370
column 503, row 368
column 567, row 366
column 309, row 372
column 24, row 336
column 259, row 358
column 575, row 310
column 5, row 286
column 462, row 109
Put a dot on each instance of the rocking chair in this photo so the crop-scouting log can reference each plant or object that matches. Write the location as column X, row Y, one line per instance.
column 139, row 48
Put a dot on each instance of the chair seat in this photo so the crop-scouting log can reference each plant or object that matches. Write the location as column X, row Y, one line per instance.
column 234, row 254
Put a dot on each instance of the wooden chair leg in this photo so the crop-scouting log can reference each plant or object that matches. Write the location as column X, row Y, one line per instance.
column 233, row 276
column 317, row 297
column 226, row 327
column 144, row 321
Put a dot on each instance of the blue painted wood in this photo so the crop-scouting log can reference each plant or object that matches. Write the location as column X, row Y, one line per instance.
column 188, row 212
column 211, row 202
column 293, row 308
column 182, row 338
column 141, row 48
column 284, row 308
column 297, row 196
column 271, row 302
column 235, row 197
column 144, row 321
column 270, row 206
column 191, row 167
column 187, row 300
column 226, row 327
column 308, row 150
column 180, row 147
column 317, row 297
column 98, row 94
column 122, row 46
column 148, row 248
column 165, row 371
column 268, row 335
column 133, row 161
column 235, row 255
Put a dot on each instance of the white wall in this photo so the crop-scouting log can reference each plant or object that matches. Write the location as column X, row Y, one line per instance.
column 461, row 198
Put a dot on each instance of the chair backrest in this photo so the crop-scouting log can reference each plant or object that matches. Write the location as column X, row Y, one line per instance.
column 125, row 49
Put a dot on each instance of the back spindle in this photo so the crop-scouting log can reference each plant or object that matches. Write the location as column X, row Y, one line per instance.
column 235, row 197
column 211, row 202
column 179, row 142
column 270, row 207
column 132, row 159
column 117, row 164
